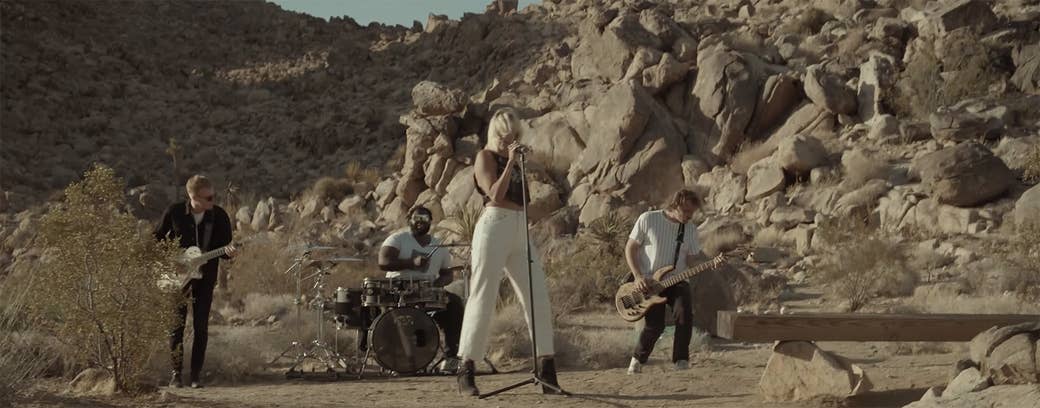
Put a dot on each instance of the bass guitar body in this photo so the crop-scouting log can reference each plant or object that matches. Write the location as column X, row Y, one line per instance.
column 632, row 303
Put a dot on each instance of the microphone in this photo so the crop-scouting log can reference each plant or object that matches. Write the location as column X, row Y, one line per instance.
column 523, row 149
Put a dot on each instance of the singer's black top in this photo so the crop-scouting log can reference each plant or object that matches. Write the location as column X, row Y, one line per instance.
column 513, row 193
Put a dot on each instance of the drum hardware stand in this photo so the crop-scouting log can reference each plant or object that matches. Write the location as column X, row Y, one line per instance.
column 534, row 380
column 296, row 344
column 319, row 348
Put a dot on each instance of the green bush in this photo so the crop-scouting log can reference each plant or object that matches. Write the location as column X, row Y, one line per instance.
column 97, row 286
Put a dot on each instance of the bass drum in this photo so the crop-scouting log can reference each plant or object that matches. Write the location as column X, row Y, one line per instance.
column 404, row 340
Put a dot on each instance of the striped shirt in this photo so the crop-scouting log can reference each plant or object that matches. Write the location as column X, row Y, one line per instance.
column 657, row 234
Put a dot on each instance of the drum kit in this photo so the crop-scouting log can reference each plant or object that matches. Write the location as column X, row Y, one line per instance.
column 391, row 316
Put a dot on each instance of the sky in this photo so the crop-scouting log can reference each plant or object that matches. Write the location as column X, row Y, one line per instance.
column 390, row 12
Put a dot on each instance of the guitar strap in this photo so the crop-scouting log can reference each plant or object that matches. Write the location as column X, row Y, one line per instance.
column 678, row 243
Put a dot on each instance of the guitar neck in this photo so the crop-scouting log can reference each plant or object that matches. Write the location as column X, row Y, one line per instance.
column 212, row 254
column 714, row 262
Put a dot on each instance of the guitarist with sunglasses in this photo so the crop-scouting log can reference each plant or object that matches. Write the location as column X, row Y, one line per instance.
column 198, row 223
column 662, row 238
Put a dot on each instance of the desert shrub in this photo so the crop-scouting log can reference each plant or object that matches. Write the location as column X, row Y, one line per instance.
column 750, row 153
column 859, row 169
column 463, row 221
column 859, row 264
column 591, row 274
column 1031, row 170
column 356, row 173
column 97, row 285
column 1021, row 253
column 334, row 189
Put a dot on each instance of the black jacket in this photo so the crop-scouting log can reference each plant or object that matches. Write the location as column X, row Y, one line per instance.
column 178, row 223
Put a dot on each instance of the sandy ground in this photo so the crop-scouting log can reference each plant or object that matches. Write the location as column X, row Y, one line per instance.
column 726, row 376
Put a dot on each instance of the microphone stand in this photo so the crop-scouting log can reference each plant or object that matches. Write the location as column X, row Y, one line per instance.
column 534, row 380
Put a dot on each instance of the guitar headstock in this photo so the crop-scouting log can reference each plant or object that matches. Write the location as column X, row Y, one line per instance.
column 740, row 252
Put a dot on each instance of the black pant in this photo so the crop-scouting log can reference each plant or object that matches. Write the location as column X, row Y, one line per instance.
column 679, row 297
column 201, row 300
column 450, row 320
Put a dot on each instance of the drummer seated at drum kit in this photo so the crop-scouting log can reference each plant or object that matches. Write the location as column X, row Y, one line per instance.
column 413, row 254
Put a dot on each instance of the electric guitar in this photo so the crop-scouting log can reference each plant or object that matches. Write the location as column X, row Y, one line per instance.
column 633, row 303
column 190, row 261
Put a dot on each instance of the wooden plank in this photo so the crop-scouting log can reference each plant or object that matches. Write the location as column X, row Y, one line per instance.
column 860, row 327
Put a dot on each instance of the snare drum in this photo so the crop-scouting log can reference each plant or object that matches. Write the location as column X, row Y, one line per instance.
column 433, row 298
column 378, row 292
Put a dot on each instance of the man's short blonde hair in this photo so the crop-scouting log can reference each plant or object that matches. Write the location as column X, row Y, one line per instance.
column 196, row 183
column 684, row 197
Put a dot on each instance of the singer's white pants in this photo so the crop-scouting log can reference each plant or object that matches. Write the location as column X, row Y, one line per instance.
column 499, row 247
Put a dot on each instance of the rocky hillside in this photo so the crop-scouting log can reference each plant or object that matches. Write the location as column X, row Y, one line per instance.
column 263, row 98
column 920, row 113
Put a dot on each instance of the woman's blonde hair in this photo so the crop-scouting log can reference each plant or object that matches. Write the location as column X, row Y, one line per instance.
column 503, row 123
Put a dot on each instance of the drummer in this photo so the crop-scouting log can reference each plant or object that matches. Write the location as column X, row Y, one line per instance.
column 412, row 254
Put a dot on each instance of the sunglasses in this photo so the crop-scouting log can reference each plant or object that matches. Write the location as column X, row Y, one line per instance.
column 422, row 218
column 208, row 198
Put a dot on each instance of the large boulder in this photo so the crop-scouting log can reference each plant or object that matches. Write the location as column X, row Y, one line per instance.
column 1027, row 208
column 554, row 141
column 876, row 78
column 634, row 149
column 944, row 16
column 712, row 291
column 1027, row 68
column 800, row 154
column 607, row 54
column 545, row 199
column 964, row 175
column 780, row 96
column 1018, row 396
column 1018, row 152
column 960, row 123
column 765, row 177
column 726, row 89
column 93, row 381
column 969, row 380
column 827, row 91
column 727, row 189
column 432, row 99
column 799, row 371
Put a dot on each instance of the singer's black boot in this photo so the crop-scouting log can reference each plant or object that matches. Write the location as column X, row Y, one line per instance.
column 467, row 380
column 547, row 373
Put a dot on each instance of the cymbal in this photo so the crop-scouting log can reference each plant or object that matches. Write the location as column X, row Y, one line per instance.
column 454, row 244
column 344, row 259
column 329, row 262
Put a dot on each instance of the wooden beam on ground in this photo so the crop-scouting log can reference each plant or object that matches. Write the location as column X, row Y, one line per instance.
column 860, row 327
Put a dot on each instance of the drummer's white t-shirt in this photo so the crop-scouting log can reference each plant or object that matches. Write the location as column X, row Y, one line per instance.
column 408, row 247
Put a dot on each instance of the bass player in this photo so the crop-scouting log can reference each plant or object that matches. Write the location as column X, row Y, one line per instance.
column 662, row 238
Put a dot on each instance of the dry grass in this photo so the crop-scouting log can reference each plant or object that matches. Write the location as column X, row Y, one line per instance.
column 332, row 189
column 590, row 274
column 860, row 264
column 356, row 173
column 576, row 345
column 749, row 154
column 1031, row 170
column 859, row 169
column 23, row 355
